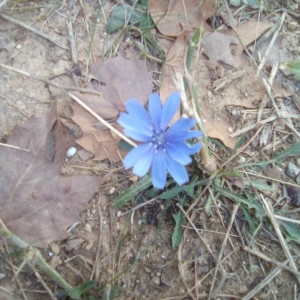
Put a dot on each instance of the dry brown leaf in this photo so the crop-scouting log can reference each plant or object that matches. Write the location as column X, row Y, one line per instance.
column 174, row 63
column 172, row 18
column 117, row 79
column 216, row 46
column 37, row 203
column 98, row 141
column 121, row 79
column 248, row 32
column 246, row 92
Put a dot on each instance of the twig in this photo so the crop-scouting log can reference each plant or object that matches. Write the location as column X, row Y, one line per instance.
column 36, row 255
column 268, row 178
column 49, row 82
column 13, row 147
column 265, row 98
column 29, row 28
column 104, row 122
column 287, row 219
column 279, row 235
column 268, row 51
column 212, row 292
column 268, row 259
column 72, row 42
column 96, row 262
column 279, row 114
column 41, row 280
column 4, row 2
column 273, row 118
column 263, row 283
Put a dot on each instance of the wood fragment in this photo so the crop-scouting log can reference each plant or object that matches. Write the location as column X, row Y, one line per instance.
column 33, row 30
column 225, row 81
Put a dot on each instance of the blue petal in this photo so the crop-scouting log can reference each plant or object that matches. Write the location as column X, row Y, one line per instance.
column 183, row 136
column 155, row 108
column 177, row 171
column 136, row 154
column 181, row 152
column 136, row 110
column 181, row 125
column 133, row 123
column 159, row 169
column 137, row 135
column 169, row 109
column 142, row 166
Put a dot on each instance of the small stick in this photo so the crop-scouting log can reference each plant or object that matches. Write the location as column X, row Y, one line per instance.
column 287, row 219
column 268, row 178
column 41, row 280
column 29, row 28
column 4, row 2
column 211, row 291
column 273, row 118
column 13, row 147
column 263, row 283
column 36, row 255
column 265, row 98
column 279, row 114
column 268, row 51
column 72, row 42
column 49, row 82
column 104, row 122
column 268, row 259
column 279, row 235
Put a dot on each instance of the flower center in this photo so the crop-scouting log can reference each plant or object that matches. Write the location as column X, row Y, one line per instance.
column 158, row 139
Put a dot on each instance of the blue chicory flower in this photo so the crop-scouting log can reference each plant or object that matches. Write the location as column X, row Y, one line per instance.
column 163, row 148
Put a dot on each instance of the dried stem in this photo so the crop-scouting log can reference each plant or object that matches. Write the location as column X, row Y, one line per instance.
column 35, row 254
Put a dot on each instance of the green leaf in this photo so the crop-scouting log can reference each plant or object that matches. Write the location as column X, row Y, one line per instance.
column 250, row 202
column 132, row 191
column 173, row 192
column 240, row 142
column 122, row 15
column 291, row 231
column 177, row 235
column 79, row 290
column 248, row 219
column 115, row 291
column 235, row 2
column 125, row 146
column 293, row 150
column 259, row 185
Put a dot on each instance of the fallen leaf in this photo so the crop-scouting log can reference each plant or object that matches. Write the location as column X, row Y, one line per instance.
column 120, row 79
column 248, row 32
column 117, row 79
column 174, row 63
column 172, row 18
column 245, row 92
column 216, row 46
column 98, row 141
column 37, row 203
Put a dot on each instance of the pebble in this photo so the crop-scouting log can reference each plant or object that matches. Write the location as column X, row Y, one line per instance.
column 88, row 227
column 292, row 26
column 156, row 280
column 294, row 194
column 292, row 170
column 230, row 129
column 18, row 47
column 71, row 151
